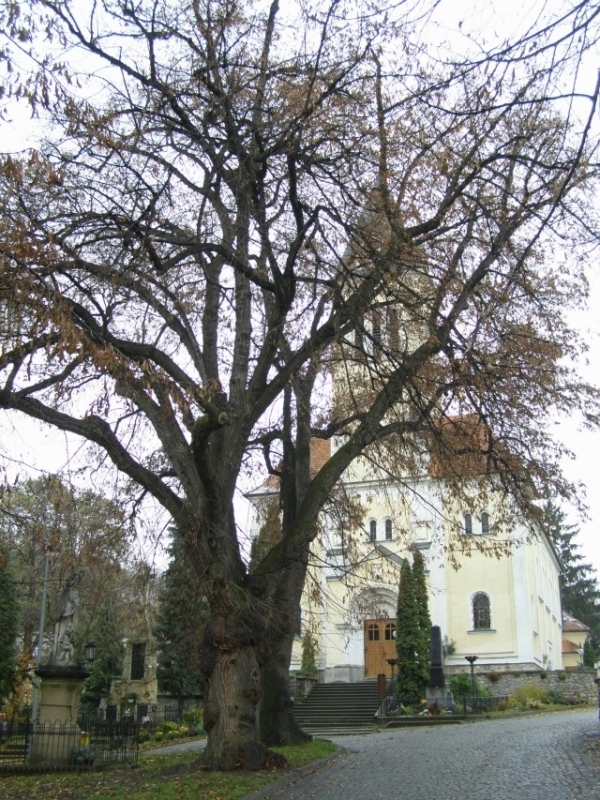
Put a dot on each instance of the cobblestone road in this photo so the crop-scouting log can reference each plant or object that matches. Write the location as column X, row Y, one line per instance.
column 546, row 757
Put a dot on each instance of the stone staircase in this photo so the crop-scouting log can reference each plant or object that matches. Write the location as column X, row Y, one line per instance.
column 339, row 708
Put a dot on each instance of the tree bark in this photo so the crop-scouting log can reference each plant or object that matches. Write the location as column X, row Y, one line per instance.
column 232, row 652
column 278, row 725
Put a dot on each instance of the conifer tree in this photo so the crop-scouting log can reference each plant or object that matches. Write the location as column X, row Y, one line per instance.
column 423, row 648
column 109, row 659
column 179, row 627
column 589, row 655
column 578, row 583
column 407, row 637
column 8, row 627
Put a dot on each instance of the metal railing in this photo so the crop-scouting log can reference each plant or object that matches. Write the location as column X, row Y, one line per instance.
column 484, row 705
column 137, row 712
column 27, row 746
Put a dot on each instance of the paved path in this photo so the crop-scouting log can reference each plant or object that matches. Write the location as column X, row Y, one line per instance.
column 546, row 757
column 194, row 746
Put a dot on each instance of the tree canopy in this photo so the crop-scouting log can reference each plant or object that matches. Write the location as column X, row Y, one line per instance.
column 85, row 535
column 234, row 204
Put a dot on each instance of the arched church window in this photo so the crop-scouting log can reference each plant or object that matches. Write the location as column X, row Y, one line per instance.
column 388, row 529
column 373, row 530
column 481, row 612
column 390, row 631
column 373, row 632
column 485, row 522
column 468, row 524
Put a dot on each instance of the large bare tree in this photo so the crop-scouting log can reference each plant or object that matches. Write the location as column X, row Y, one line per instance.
column 234, row 206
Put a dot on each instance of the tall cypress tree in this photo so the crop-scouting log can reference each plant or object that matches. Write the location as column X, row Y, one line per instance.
column 8, row 627
column 407, row 638
column 179, row 627
column 423, row 648
column 578, row 583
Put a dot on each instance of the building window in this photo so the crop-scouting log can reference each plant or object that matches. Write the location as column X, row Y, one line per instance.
column 468, row 524
column 373, row 530
column 390, row 631
column 388, row 529
column 373, row 632
column 138, row 656
column 485, row 522
column 481, row 612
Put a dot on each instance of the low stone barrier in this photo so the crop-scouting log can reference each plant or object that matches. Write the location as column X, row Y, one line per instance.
column 579, row 684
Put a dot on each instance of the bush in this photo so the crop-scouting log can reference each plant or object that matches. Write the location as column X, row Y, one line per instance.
column 571, row 700
column 562, row 676
column 461, row 686
column 529, row 697
column 193, row 718
column 556, row 696
column 310, row 649
column 494, row 676
column 168, row 727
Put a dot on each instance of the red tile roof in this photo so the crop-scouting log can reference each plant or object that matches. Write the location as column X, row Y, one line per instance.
column 569, row 623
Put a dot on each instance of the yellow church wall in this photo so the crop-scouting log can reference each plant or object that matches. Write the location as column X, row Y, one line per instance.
column 476, row 575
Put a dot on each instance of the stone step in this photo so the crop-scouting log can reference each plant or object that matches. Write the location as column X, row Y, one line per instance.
column 339, row 706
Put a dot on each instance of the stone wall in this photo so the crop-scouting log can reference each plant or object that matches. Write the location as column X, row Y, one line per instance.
column 579, row 684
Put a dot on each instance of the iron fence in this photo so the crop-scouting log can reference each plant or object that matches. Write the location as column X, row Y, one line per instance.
column 27, row 746
column 483, row 705
column 137, row 712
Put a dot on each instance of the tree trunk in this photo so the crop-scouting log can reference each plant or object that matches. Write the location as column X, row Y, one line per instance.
column 277, row 723
column 233, row 692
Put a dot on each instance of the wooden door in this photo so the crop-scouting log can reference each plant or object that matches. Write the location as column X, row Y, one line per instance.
column 380, row 644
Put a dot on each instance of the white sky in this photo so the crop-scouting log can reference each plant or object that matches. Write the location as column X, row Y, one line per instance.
column 27, row 448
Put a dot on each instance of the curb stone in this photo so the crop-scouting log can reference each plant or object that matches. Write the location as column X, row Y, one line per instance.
column 295, row 775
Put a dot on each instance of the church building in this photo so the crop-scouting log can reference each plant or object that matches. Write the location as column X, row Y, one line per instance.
column 493, row 576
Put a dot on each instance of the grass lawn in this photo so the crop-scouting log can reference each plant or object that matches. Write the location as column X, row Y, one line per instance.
column 172, row 777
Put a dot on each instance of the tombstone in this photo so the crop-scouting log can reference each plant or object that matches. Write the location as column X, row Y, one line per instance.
column 436, row 671
column 435, row 687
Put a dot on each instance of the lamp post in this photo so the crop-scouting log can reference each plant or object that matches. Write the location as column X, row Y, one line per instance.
column 90, row 651
column 472, row 660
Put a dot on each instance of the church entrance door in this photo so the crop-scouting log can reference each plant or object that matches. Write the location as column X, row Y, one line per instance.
column 380, row 644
